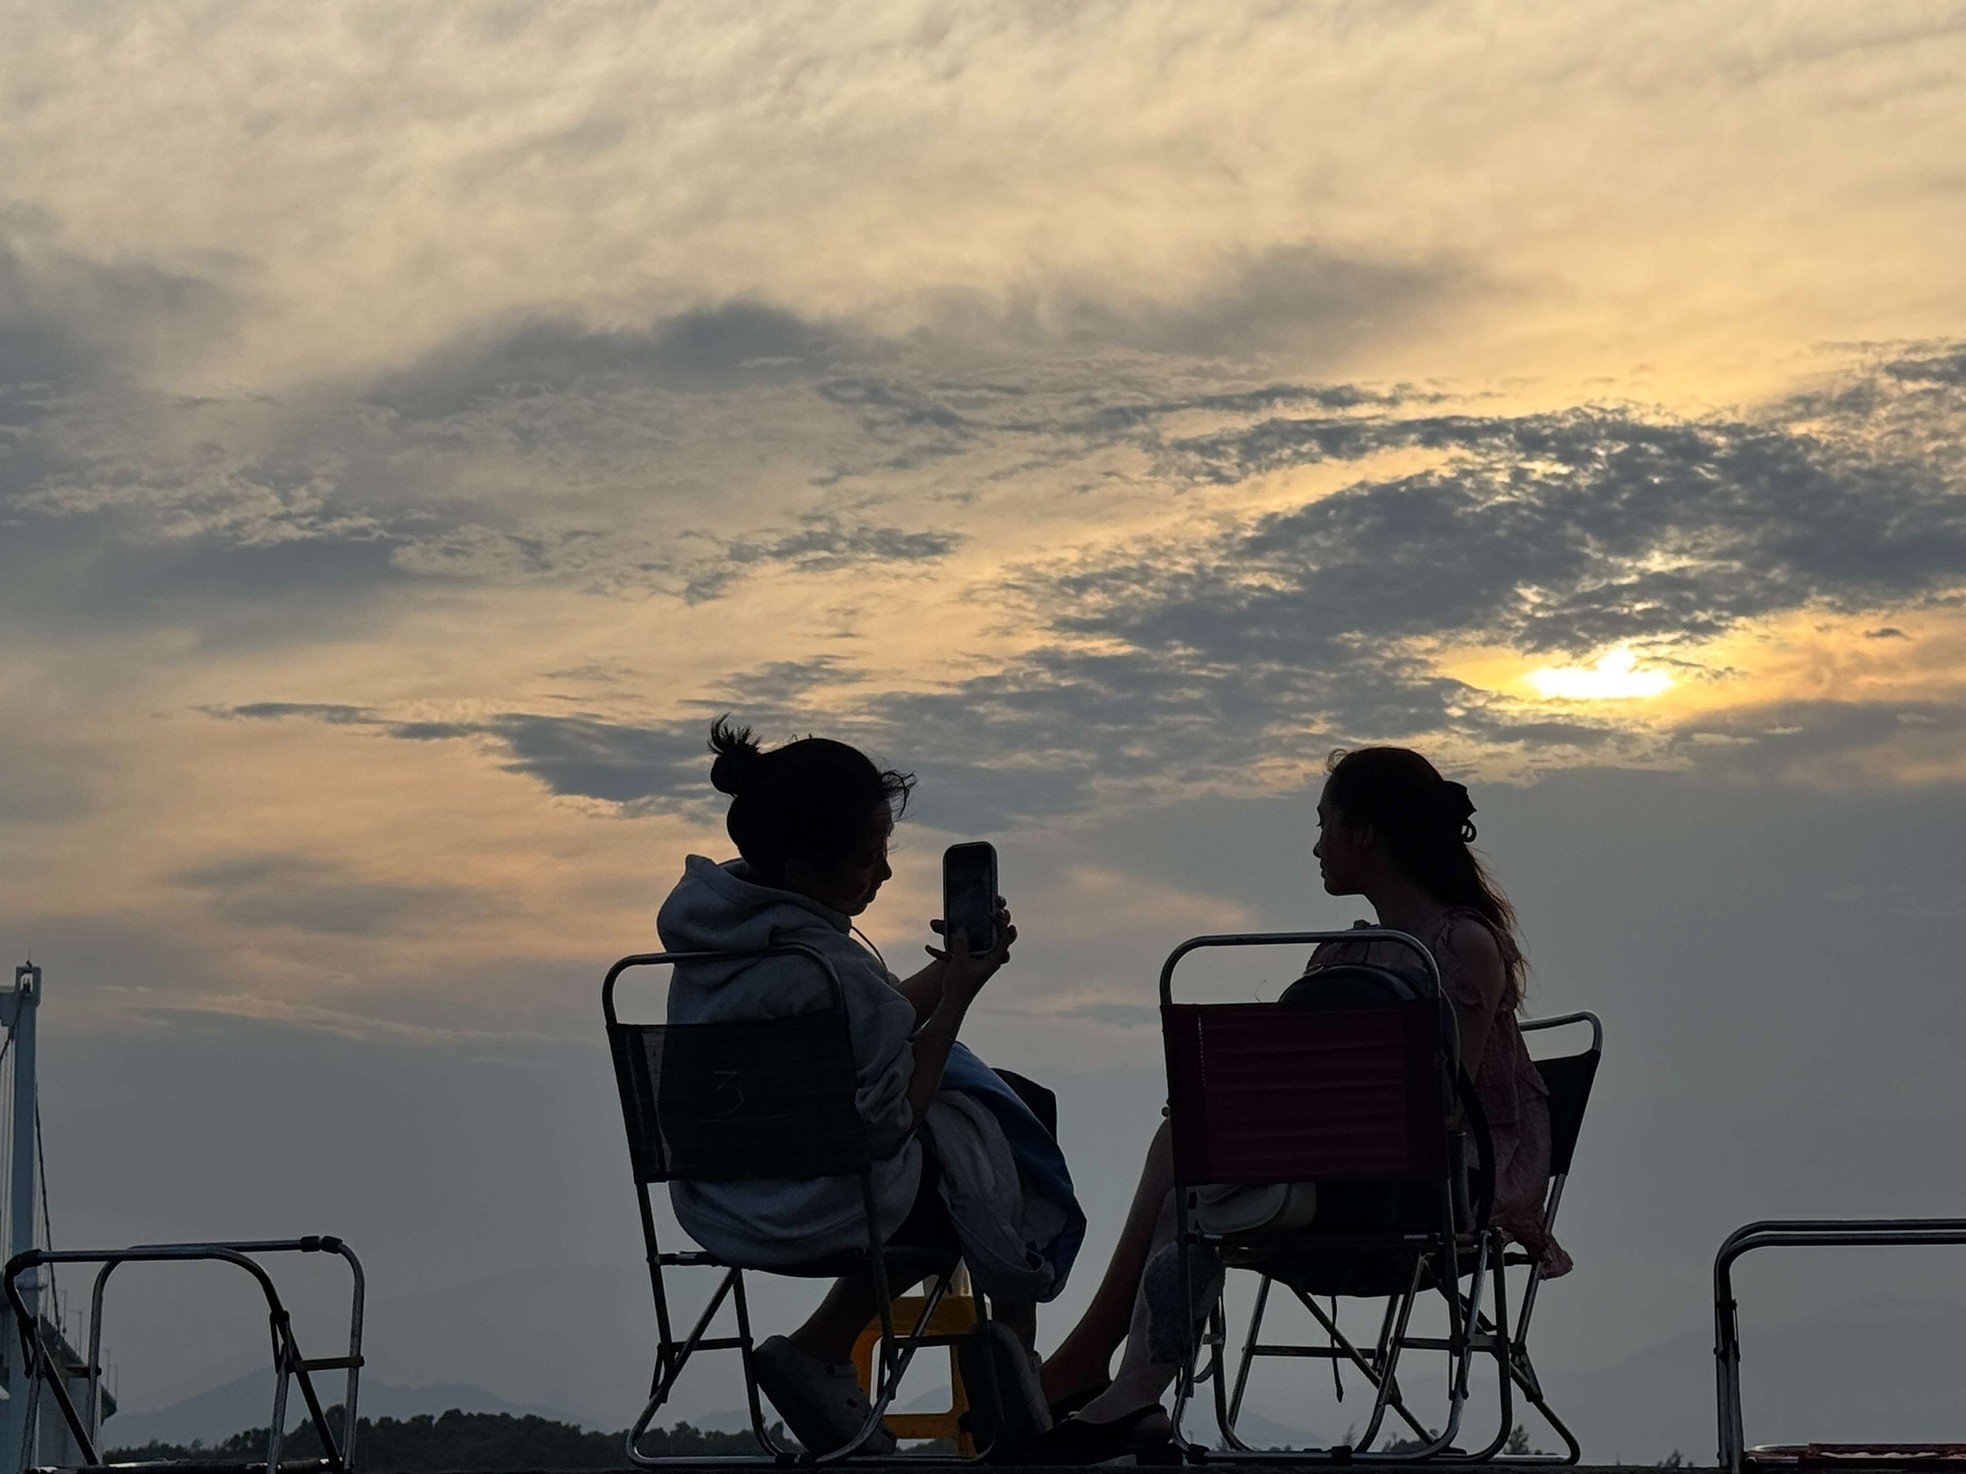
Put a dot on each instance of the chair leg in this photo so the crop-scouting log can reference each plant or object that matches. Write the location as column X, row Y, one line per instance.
column 1227, row 1410
column 746, row 1353
column 1388, row 1379
column 1378, row 1367
column 1184, row 1375
column 892, row 1358
column 1396, row 1398
column 1523, row 1373
column 1462, row 1338
column 1248, row 1356
column 1494, row 1337
column 670, row 1361
column 1372, row 1366
column 993, row 1385
column 1519, row 1373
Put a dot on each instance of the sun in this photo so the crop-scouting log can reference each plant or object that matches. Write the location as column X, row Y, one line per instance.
column 1615, row 677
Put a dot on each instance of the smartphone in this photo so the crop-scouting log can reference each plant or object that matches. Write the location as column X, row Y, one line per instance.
column 969, row 893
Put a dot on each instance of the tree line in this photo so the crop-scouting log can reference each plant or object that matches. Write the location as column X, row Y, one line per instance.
column 494, row 1443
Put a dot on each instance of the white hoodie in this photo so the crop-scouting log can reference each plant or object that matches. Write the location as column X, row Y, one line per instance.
column 772, row 1223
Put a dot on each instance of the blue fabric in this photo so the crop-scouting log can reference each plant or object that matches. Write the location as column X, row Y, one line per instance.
column 1040, row 1163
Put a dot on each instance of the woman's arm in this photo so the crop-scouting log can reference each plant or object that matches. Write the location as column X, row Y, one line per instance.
column 924, row 990
column 931, row 1048
column 1480, row 960
column 963, row 977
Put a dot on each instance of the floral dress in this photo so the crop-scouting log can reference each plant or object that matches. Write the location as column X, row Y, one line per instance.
column 1512, row 1092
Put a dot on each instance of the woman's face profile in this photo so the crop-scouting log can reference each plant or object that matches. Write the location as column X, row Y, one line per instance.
column 850, row 884
column 1339, row 851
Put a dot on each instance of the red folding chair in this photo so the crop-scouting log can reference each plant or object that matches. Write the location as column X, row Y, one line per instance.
column 1356, row 1100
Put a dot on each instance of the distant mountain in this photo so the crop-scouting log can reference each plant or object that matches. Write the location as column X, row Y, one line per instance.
column 247, row 1402
column 578, row 1340
column 1260, row 1432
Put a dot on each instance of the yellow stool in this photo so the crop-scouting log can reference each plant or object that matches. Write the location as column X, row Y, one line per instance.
column 955, row 1316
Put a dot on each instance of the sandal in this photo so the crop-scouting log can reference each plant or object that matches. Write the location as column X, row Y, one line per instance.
column 1077, row 1442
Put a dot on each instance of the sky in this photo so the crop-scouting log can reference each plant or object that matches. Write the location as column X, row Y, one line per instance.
column 418, row 422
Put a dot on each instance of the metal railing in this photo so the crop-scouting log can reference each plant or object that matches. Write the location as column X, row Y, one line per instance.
column 289, row 1366
column 1791, row 1233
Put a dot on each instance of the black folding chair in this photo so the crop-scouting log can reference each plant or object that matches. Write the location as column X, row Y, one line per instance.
column 1357, row 1101
column 1569, row 1078
column 765, row 1098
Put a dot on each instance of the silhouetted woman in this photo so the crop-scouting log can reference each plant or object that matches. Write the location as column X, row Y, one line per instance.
column 1393, row 830
column 811, row 821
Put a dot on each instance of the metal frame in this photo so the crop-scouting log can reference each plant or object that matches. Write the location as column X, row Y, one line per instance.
column 894, row 1353
column 1792, row 1233
column 288, row 1363
column 1449, row 1244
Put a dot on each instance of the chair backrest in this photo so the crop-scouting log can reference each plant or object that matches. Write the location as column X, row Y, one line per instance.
column 1258, row 1093
column 1569, row 1078
column 717, row 1102
column 759, row 1098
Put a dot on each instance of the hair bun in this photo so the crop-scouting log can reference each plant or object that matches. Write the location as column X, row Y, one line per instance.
column 1457, row 809
column 737, row 757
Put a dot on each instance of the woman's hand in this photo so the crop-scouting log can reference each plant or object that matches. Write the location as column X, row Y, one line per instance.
column 965, row 972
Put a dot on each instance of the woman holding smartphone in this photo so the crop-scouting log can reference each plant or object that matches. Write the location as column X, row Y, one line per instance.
column 811, row 821
column 1393, row 830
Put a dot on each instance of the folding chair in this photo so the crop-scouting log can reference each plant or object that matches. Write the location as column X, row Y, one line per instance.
column 1735, row 1456
column 766, row 1098
column 1569, row 1079
column 1355, row 1100
column 41, row 1345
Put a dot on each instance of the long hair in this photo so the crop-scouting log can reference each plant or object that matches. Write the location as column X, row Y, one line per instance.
column 1428, row 824
column 809, row 800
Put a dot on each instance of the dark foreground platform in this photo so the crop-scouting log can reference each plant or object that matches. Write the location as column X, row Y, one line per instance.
column 873, row 1466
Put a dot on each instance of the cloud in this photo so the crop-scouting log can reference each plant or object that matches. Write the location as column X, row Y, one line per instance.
column 68, row 318
column 821, row 545
column 542, row 453
column 1235, row 648
column 1121, row 1015
column 576, row 756
column 1549, row 532
column 306, row 894
column 1302, row 297
column 321, row 711
column 587, row 757
column 779, row 684
column 1948, row 368
column 1832, row 743
column 726, row 346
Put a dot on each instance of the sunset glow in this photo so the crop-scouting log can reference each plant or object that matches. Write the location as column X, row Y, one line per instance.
column 1615, row 677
